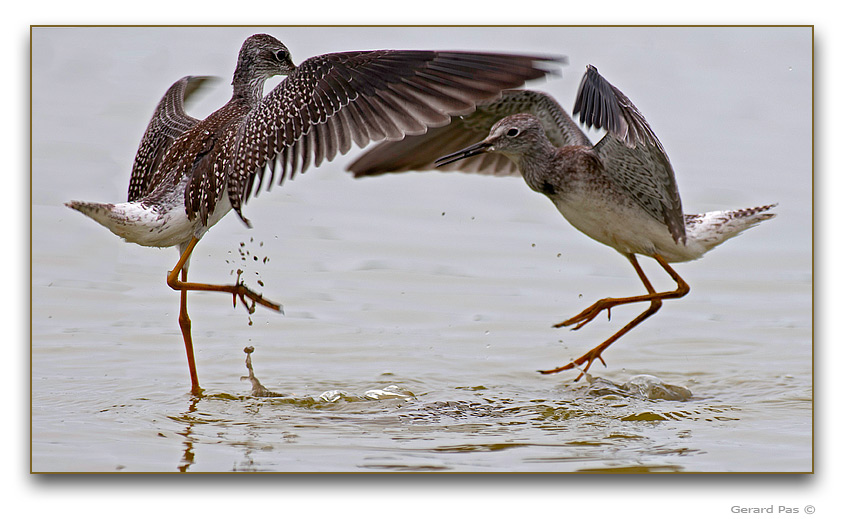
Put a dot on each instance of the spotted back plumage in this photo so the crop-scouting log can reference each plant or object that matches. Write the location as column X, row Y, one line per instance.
column 207, row 159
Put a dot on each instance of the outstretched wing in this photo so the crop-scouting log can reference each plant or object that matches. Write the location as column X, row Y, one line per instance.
column 630, row 151
column 168, row 122
column 334, row 100
column 418, row 152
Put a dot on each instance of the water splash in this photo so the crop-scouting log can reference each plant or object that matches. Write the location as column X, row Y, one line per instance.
column 647, row 387
column 258, row 389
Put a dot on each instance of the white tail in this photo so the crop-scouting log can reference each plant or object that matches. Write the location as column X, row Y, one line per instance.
column 137, row 223
column 716, row 227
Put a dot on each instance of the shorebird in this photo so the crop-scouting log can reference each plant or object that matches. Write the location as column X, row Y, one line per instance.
column 620, row 192
column 188, row 173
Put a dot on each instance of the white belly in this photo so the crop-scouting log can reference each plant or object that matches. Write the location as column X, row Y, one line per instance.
column 629, row 230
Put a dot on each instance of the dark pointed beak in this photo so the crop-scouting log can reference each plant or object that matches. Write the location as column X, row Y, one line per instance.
column 465, row 153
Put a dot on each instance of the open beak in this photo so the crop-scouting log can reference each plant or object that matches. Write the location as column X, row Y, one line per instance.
column 465, row 153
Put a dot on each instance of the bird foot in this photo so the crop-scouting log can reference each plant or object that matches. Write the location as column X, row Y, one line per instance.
column 242, row 292
column 584, row 317
column 588, row 359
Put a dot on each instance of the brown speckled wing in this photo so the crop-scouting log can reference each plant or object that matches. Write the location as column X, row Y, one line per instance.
column 332, row 101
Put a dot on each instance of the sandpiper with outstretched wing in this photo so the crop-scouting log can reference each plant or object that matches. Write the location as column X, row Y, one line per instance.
column 188, row 174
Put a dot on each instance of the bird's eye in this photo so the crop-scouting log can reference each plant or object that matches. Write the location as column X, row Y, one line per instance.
column 512, row 132
column 282, row 55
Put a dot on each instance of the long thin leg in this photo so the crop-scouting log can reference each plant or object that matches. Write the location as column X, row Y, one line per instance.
column 184, row 324
column 183, row 286
column 654, row 297
column 593, row 311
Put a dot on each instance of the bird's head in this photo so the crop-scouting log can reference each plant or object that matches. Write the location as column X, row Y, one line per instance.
column 514, row 135
column 261, row 57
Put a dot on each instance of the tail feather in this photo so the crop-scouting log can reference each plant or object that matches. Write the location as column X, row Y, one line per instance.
column 137, row 223
column 98, row 212
column 716, row 227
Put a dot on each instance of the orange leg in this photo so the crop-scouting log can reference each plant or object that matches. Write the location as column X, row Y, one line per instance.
column 238, row 290
column 184, row 324
column 654, row 297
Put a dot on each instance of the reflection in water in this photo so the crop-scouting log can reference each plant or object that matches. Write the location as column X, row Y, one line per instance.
column 188, row 454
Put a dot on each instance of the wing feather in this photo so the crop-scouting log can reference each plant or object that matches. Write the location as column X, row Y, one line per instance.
column 418, row 153
column 169, row 121
column 330, row 101
column 630, row 151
